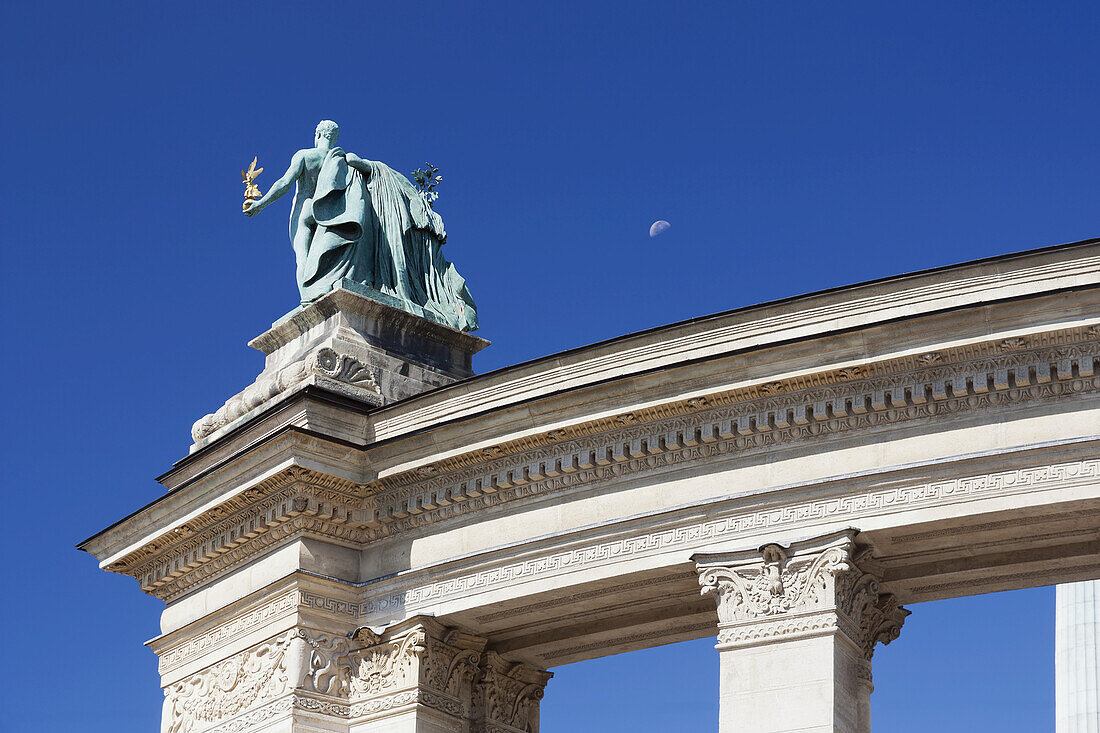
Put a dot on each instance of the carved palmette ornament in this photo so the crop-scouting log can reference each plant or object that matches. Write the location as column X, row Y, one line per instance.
column 333, row 365
column 325, row 362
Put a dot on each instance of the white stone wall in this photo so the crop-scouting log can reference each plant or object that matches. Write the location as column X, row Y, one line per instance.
column 1077, row 658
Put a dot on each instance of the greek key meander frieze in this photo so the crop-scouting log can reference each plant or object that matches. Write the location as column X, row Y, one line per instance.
column 357, row 676
column 351, row 513
column 812, row 587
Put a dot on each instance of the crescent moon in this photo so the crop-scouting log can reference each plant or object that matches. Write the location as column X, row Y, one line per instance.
column 659, row 227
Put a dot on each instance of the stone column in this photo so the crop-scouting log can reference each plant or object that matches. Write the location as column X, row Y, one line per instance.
column 1077, row 657
column 797, row 627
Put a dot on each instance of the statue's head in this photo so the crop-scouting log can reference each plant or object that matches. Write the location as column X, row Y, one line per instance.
column 326, row 134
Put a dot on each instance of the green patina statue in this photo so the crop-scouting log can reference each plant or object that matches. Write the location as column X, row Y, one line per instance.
column 363, row 223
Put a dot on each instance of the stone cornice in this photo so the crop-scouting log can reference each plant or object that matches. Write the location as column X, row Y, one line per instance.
column 966, row 288
column 988, row 357
column 808, row 316
column 341, row 300
column 997, row 374
column 248, row 514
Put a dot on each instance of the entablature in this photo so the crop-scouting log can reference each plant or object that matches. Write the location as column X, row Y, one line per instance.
column 295, row 501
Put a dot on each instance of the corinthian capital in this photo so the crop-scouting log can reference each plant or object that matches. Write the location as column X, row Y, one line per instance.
column 818, row 586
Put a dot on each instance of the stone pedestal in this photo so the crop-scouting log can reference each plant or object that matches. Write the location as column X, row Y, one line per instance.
column 797, row 626
column 1077, row 657
column 351, row 345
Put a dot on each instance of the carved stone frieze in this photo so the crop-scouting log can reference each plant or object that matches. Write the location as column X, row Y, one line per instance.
column 199, row 644
column 282, row 707
column 740, row 523
column 230, row 686
column 827, row 585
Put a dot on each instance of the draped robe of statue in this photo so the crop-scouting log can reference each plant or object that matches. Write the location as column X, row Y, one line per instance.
column 380, row 233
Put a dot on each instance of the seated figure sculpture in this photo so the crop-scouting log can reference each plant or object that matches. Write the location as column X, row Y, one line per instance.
column 361, row 221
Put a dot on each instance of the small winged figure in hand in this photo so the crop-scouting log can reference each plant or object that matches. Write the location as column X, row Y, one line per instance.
column 251, row 190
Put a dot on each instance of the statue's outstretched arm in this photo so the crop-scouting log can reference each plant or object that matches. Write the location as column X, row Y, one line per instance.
column 363, row 166
column 280, row 186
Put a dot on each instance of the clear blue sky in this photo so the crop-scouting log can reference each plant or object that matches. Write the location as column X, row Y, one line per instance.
column 793, row 146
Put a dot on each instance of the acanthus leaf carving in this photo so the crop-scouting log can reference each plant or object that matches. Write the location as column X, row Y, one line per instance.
column 229, row 687
column 389, row 665
column 816, row 586
column 881, row 622
column 776, row 586
column 506, row 696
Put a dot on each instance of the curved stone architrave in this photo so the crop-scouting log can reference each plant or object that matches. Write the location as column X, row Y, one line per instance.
column 378, row 606
column 648, row 447
column 694, row 536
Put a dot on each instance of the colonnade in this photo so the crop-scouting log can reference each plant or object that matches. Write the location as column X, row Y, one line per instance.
column 1077, row 658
